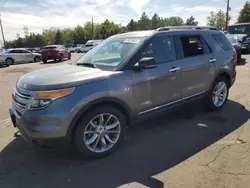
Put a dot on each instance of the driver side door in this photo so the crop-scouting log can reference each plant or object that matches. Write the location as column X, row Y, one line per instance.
column 161, row 86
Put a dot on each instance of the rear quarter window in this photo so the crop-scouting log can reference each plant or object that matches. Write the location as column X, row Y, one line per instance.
column 223, row 42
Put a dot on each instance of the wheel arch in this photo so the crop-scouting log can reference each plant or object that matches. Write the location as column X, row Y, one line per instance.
column 112, row 101
column 224, row 74
column 10, row 58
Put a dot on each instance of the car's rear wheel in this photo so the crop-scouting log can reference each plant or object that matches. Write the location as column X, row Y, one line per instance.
column 218, row 94
column 9, row 61
column 100, row 131
column 37, row 59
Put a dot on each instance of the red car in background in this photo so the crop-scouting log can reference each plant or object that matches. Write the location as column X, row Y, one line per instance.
column 55, row 52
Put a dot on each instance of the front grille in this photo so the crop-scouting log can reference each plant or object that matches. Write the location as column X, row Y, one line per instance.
column 21, row 98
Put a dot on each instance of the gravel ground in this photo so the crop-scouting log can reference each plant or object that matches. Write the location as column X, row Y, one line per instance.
column 190, row 148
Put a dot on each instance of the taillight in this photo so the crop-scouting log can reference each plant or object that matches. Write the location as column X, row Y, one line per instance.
column 235, row 56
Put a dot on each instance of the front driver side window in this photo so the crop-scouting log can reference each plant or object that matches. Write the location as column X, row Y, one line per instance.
column 161, row 48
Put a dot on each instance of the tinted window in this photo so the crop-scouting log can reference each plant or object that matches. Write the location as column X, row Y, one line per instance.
column 24, row 51
column 223, row 42
column 14, row 51
column 239, row 29
column 50, row 48
column 192, row 46
column 162, row 48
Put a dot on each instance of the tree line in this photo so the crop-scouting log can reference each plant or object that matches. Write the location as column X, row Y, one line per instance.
column 81, row 34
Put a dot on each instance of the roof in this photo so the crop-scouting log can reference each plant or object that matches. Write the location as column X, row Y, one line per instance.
column 135, row 34
column 166, row 29
column 248, row 23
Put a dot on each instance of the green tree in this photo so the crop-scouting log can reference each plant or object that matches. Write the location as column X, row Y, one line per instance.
column 217, row 19
column 191, row 21
column 67, row 36
column 155, row 22
column 58, row 37
column 144, row 23
column 211, row 20
column 79, row 35
column 49, row 36
column 244, row 13
column 132, row 26
column 173, row 21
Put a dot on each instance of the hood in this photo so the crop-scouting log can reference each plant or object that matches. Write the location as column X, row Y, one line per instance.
column 59, row 77
column 36, row 54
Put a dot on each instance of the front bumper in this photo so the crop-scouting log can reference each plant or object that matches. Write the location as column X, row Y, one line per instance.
column 61, row 143
column 44, row 128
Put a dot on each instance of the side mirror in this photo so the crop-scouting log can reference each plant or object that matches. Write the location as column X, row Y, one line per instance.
column 145, row 63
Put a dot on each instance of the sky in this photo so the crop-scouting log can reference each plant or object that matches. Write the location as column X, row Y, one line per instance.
column 43, row 14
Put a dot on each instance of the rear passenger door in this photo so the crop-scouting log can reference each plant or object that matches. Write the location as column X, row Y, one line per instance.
column 196, row 65
column 16, row 55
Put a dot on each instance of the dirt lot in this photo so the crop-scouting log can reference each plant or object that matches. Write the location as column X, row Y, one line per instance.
column 190, row 148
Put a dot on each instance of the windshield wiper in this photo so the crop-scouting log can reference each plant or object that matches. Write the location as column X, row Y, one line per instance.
column 87, row 65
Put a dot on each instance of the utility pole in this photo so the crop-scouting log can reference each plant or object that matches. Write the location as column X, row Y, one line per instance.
column 92, row 27
column 227, row 17
column 4, row 44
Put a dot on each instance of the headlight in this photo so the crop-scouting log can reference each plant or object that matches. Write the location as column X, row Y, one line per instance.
column 45, row 98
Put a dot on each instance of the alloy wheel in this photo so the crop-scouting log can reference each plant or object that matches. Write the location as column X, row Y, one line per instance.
column 102, row 132
column 220, row 94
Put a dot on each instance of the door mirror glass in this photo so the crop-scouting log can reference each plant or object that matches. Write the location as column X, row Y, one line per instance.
column 146, row 63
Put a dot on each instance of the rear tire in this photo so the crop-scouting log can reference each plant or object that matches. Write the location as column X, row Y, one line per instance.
column 69, row 58
column 112, row 124
column 9, row 61
column 217, row 97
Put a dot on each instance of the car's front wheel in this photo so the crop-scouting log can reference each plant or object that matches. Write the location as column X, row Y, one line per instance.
column 218, row 94
column 100, row 131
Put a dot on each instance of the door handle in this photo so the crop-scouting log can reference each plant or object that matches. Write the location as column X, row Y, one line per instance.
column 212, row 60
column 174, row 69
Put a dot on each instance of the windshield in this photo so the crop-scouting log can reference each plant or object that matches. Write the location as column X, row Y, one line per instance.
column 50, row 48
column 231, row 38
column 111, row 52
column 239, row 29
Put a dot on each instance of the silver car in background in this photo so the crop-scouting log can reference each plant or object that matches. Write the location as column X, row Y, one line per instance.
column 12, row 56
column 90, row 44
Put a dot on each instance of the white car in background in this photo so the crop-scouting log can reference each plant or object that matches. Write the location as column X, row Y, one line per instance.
column 88, row 46
column 12, row 56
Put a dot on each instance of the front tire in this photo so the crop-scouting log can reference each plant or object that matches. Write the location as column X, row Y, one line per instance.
column 37, row 59
column 69, row 56
column 217, row 96
column 100, row 131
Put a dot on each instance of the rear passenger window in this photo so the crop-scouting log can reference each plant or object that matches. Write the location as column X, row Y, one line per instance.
column 162, row 48
column 192, row 46
column 223, row 42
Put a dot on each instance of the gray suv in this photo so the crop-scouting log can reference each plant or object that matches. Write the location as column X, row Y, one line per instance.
column 127, row 77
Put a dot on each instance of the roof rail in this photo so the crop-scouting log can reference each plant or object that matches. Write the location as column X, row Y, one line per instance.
column 186, row 27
